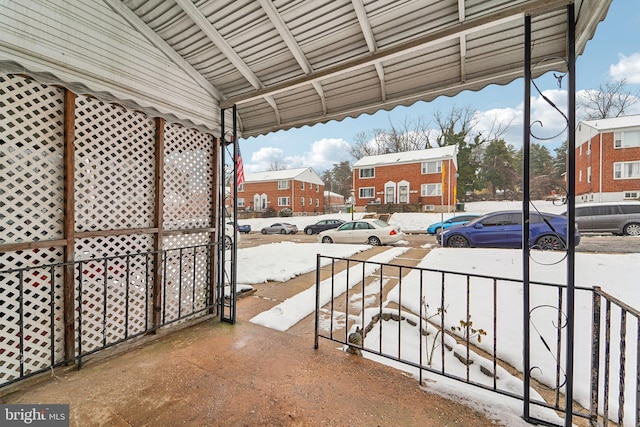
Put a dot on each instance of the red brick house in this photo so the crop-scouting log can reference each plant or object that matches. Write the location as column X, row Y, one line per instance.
column 333, row 202
column 300, row 190
column 424, row 177
column 608, row 159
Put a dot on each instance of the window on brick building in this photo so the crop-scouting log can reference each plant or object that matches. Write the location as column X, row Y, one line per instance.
column 589, row 174
column 240, row 203
column 317, row 203
column 283, row 201
column 432, row 167
column 367, row 173
column 366, row 192
column 241, row 187
column 302, row 201
column 283, row 184
column 626, row 139
column 626, row 170
column 302, row 185
column 431, row 190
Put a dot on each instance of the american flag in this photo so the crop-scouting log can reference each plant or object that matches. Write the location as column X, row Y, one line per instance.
column 239, row 168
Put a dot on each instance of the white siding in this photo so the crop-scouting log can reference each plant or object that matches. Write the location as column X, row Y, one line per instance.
column 86, row 45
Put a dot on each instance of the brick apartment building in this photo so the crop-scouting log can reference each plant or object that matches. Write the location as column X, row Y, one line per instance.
column 333, row 202
column 424, row 177
column 300, row 190
column 608, row 159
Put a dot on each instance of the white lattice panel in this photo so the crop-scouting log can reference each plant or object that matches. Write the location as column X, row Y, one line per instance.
column 40, row 291
column 31, row 160
column 188, row 176
column 185, row 285
column 115, row 304
column 115, row 167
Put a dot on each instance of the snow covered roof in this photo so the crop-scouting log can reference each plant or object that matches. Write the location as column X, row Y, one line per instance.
column 299, row 174
column 284, row 64
column 439, row 153
column 613, row 123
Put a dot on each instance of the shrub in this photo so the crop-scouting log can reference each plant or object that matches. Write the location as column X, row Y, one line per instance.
column 269, row 213
column 285, row 212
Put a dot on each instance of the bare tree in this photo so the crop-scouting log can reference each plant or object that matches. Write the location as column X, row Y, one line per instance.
column 276, row 166
column 610, row 100
column 408, row 135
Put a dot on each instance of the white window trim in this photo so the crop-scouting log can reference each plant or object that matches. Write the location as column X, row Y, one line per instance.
column 373, row 174
column 425, row 193
column 240, row 202
column 283, row 184
column 372, row 189
column 618, row 167
column 283, row 201
column 618, row 140
column 424, row 167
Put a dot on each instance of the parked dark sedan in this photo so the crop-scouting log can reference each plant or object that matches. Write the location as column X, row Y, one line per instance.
column 325, row 224
column 504, row 230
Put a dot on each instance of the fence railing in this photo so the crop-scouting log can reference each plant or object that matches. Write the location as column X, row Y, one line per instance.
column 468, row 327
column 113, row 302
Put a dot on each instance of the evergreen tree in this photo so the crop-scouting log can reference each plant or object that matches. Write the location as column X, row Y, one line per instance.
column 499, row 170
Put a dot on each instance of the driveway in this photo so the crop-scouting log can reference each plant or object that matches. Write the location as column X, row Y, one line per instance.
column 605, row 243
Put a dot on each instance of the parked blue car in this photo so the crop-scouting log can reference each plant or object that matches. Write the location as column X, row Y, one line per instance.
column 242, row 228
column 504, row 230
column 437, row 227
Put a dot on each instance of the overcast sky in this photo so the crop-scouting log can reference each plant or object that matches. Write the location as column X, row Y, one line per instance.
column 613, row 54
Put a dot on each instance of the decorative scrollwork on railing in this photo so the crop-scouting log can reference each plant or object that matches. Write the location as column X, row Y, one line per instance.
column 558, row 78
column 560, row 375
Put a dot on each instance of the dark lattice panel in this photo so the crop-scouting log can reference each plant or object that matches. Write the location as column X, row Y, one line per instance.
column 185, row 284
column 31, row 160
column 115, row 167
column 33, row 296
column 116, row 292
column 188, row 170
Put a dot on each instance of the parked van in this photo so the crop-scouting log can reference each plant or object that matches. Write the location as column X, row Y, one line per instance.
column 613, row 217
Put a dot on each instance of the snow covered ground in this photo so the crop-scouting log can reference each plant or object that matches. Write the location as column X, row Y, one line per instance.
column 615, row 273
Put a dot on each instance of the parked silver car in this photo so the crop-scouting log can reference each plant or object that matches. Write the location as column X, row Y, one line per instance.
column 614, row 217
column 280, row 228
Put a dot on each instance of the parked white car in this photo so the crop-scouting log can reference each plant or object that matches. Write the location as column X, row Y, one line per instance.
column 373, row 232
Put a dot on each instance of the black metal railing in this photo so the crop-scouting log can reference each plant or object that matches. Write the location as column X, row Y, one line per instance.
column 462, row 326
column 611, row 397
column 113, row 303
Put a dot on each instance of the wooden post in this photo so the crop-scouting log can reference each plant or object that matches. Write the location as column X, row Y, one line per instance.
column 69, row 225
column 158, row 246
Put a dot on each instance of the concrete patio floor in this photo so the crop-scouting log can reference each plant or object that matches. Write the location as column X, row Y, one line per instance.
column 217, row 374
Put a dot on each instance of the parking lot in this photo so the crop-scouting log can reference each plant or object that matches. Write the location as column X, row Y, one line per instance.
column 605, row 243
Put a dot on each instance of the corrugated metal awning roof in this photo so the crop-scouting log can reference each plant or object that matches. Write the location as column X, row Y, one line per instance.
column 289, row 63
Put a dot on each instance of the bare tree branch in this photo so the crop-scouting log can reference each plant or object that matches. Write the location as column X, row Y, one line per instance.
column 610, row 100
